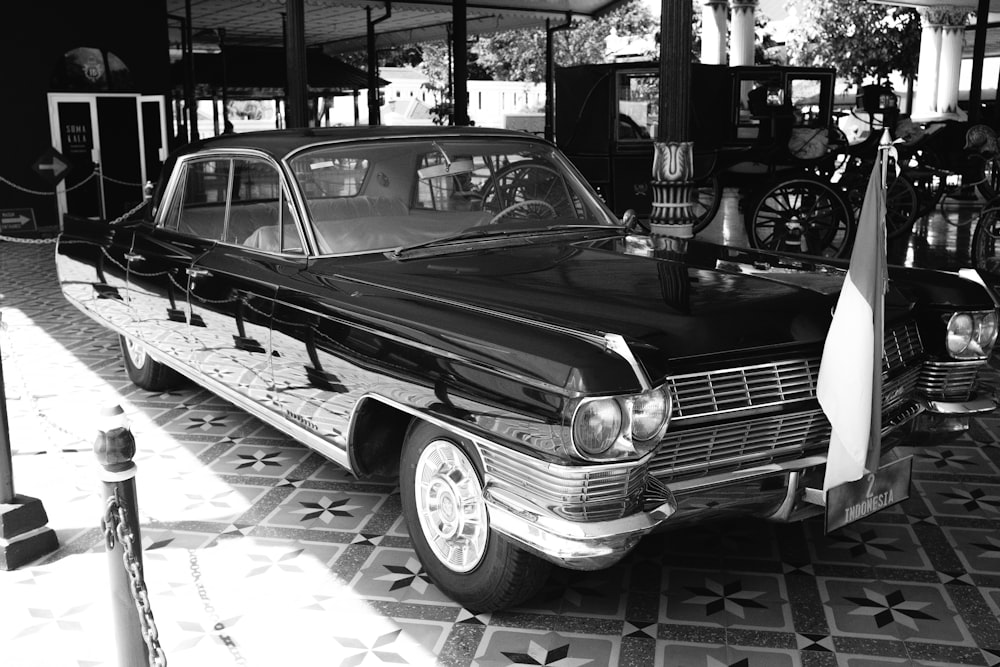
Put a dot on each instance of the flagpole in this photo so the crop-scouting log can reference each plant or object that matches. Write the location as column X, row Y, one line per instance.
column 875, row 443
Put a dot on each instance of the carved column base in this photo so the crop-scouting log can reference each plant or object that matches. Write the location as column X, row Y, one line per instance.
column 674, row 191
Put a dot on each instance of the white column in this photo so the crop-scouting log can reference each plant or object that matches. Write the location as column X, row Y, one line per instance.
column 742, row 36
column 714, row 31
column 925, row 99
column 949, row 68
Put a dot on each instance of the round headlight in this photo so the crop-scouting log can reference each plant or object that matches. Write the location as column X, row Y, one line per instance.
column 960, row 328
column 596, row 426
column 650, row 412
column 986, row 332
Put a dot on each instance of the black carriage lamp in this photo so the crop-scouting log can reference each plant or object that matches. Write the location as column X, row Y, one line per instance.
column 766, row 99
column 877, row 98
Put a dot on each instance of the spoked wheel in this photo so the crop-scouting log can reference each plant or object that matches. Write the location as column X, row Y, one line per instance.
column 802, row 215
column 144, row 371
column 986, row 241
column 528, row 180
column 989, row 179
column 706, row 206
column 446, row 515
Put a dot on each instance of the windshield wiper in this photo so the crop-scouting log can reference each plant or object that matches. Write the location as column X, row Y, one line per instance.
column 486, row 234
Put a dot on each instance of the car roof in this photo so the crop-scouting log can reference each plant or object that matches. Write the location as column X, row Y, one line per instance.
column 279, row 143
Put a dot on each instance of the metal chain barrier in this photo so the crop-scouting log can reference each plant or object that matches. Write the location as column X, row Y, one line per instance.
column 115, row 525
column 120, row 218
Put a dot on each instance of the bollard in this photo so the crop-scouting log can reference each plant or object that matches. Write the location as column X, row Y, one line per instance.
column 135, row 632
column 24, row 535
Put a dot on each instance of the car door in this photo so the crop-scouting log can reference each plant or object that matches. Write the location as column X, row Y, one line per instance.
column 160, row 259
column 231, row 286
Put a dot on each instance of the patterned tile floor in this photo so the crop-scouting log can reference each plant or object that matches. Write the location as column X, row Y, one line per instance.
column 259, row 552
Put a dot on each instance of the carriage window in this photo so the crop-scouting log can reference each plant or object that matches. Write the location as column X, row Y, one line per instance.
column 758, row 98
column 808, row 97
column 638, row 95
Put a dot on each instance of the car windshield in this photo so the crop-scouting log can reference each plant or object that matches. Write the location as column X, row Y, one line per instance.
column 381, row 195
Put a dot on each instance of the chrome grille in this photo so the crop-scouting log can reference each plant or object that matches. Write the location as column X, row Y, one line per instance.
column 899, row 390
column 781, row 382
column 901, row 345
column 741, row 388
column 593, row 492
column 693, row 451
column 951, row 380
column 739, row 444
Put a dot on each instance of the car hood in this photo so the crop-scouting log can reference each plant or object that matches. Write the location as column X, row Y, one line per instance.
column 675, row 312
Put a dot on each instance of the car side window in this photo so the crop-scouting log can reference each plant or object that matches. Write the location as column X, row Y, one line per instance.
column 199, row 205
column 239, row 201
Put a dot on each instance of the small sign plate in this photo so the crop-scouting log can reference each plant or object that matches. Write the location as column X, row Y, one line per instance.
column 876, row 491
column 17, row 219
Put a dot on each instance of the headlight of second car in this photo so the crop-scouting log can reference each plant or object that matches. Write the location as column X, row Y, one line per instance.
column 620, row 427
column 971, row 335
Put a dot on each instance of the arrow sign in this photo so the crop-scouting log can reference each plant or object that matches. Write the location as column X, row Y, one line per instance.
column 52, row 166
column 57, row 166
column 17, row 219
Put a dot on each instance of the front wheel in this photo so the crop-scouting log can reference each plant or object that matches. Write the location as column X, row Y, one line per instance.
column 143, row 371
column 446, row 515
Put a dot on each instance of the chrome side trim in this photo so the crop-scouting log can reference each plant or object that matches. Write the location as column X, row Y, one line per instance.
column 334, row 448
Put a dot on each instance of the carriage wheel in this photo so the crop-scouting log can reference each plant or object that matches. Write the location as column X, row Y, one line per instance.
column 986, row 241
column 988, row 180
column 802, row 215
column 706, row 206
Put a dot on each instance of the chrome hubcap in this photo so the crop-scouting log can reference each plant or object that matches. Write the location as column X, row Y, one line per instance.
column 136, row 353
column 450, row 506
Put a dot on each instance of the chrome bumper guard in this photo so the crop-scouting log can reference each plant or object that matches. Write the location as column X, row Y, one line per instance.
column 973, row 406
column 578, row 545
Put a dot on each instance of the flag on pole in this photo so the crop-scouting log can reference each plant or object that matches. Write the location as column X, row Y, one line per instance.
column 849, row 387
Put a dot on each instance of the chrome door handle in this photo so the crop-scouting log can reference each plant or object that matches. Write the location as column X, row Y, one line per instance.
column 198, row 273
column 134, row 257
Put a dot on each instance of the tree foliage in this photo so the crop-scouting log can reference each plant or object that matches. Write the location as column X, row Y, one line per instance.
column 519, row 55
column 861, row 40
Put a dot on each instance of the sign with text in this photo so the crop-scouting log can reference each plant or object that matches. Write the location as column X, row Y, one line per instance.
column 874, row 492
column 76, row 129
column 17, row 220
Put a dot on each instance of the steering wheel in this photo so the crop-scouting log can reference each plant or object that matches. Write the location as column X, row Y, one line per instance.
column 546, row 208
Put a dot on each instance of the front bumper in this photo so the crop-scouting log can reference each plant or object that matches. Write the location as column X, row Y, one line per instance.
column 942, row 420
column 594, row 545
column 775, row 491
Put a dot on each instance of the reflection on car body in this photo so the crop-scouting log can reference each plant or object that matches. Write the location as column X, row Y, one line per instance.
column 458, row 308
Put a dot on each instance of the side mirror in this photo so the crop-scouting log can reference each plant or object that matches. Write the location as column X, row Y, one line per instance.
column 633, row 223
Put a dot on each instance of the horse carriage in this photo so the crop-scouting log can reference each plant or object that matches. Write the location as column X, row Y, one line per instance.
column 766, row 130
column 772, row 133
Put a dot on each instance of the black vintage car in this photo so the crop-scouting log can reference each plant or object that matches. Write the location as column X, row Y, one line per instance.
column 457, row 307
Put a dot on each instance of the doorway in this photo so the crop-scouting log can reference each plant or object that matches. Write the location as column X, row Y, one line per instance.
column 114, row 143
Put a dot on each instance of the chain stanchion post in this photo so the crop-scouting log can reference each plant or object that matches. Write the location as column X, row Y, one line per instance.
column 24, row 535
column 114, row 447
